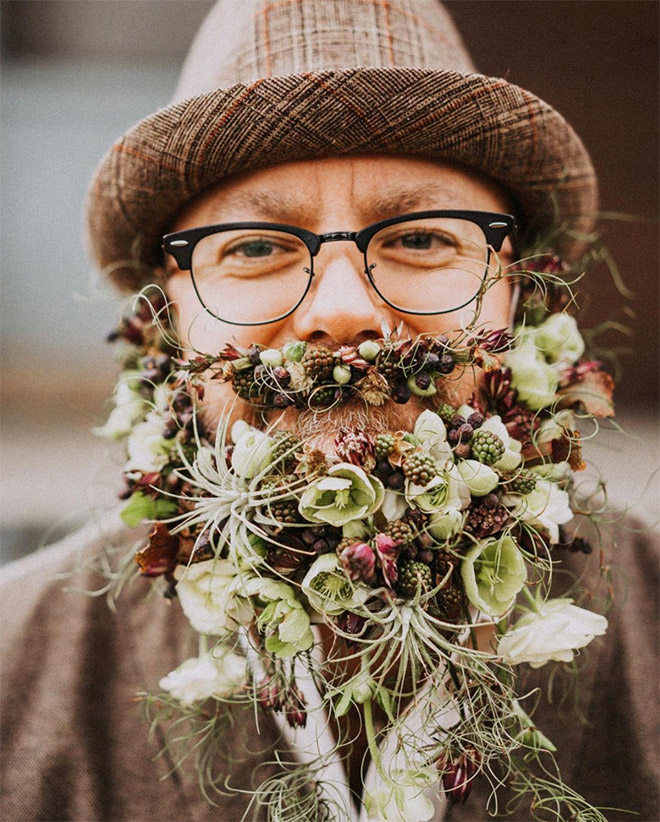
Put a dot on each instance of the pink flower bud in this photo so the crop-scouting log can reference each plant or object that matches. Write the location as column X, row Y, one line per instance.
column 350, row 623
column 387, row 553
column 359, row 562
column 356, row 447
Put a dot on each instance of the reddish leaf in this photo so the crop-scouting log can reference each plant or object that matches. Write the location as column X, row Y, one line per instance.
column 568, row 449
column 592, row 391
column 159, row 556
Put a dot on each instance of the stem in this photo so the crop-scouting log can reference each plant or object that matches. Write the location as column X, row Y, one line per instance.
column 532, row 601
column 371, row 737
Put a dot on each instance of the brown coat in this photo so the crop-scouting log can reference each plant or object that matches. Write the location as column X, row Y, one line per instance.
column 74, row 746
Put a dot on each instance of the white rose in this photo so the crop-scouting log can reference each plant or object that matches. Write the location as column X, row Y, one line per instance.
column 404, row 800
column 211, row 596
column 547, row 506
column 511, row 457
column 552, row 634
column 558, row 339
column 480, row 478
column 198, row 678
column 251, row 453
column 535, row 380
column 147, row 449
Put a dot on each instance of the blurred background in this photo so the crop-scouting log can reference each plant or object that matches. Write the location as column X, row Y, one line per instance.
column 77, row 73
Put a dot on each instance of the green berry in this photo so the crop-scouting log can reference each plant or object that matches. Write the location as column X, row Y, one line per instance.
column 285, row 449
column 446, row 412
column 369, row 350
column 244, row 385
column 284, row 511
column 523, row 483
column 419, row 468
column 384, row 445
column 413, row 577
column 487, row 447
column 341, row 374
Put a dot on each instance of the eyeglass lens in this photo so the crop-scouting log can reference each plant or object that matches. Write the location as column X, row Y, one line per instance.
column 431, row 265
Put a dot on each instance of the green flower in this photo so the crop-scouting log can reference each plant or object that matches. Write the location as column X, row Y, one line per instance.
column 328, row 589
column 535, row 380
column 347, row 493
column 493, row 572
column 283, row 619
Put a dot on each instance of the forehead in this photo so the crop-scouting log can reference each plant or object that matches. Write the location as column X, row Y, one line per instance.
column 356, row 190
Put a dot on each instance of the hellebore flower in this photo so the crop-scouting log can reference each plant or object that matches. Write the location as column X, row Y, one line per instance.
column 252, row 452
column 347, row 493
column 557, row 338
column 552, row 633
column 547, row 506
column 535, row 380
column 283, row 619
column 328, row 590
column 493, row 573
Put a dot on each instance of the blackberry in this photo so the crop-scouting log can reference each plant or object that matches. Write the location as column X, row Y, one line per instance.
column 284, row 511
column 388, row 366
column 523, row 483
column 413, row 576
column 400, row 531
column 318, row 362
column 384, row 445
column 419, row 468
column 285, row 443
column 483, row 520
column 323, row 397
column 487, row 447
column 446, row 412
column 444, row 560
column 450, row 600
column 243, row 384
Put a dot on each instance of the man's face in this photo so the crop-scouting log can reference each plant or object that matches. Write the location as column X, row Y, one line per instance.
column 341, row 307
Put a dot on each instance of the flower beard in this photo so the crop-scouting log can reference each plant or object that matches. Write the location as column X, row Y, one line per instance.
column 318, row 428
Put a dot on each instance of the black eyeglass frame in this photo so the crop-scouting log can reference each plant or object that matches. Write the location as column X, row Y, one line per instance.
column 181, row 245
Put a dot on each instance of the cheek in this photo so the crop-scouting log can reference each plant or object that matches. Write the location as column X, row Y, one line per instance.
column 493, row 312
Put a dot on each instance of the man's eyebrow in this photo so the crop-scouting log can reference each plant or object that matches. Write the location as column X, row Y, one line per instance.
column 404, row 200
column 265, row 203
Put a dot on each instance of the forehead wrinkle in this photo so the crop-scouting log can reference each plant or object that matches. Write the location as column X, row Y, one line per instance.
column 404, row 200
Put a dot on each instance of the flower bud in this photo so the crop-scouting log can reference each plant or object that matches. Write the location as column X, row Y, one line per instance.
column 359, row 562
column 293, row 351
column 271, row 357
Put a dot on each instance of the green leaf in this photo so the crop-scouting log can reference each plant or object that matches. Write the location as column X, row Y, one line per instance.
column 141, row 507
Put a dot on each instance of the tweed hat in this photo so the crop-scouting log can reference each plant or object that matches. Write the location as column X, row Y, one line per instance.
column 270, row 81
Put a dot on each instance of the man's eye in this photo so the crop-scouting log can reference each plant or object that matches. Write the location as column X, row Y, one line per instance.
column 253, row 248
column 423, row 241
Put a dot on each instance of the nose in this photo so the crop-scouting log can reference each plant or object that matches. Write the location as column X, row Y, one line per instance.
column 341, row 306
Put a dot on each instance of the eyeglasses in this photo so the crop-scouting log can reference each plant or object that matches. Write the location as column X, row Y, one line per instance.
column 255, row 273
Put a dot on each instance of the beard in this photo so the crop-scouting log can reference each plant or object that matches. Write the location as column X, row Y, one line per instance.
column 318, row 428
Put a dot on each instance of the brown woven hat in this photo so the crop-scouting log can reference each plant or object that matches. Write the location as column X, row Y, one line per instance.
column 269, row 81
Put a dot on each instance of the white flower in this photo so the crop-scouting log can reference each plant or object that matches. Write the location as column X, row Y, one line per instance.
column 511, row 458
column 553, row 633
column 446, row 492
column 212, row 597
column 535, row 380
column 129, row 407
column 480, row 478
column 443, row 525
column 404, row 800
column 547, row 506
column 328, row 589
column 147, row 449
column 431, row 432
column 558, row 339
column 198, row 678
column 251, row 453
column 394, row 506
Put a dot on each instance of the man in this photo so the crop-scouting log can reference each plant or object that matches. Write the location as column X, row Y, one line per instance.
column 307, row 140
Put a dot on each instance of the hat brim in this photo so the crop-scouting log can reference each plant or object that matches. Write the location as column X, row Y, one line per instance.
column 482, row 122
